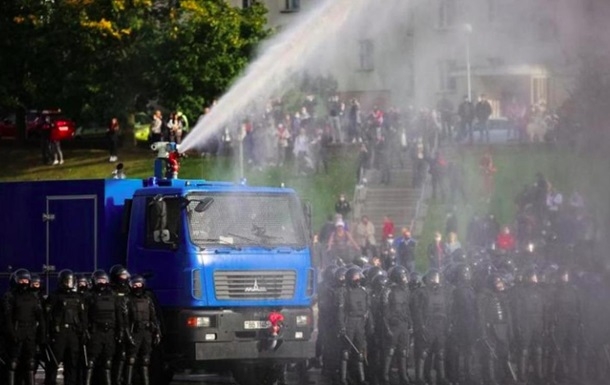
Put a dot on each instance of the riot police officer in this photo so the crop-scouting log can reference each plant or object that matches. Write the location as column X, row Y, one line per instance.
column 463, row 325
column 36, row 285
column 564, row 327
column 326, row 317
column 105, row 328
column 529, row 325
column 143, row 329
column 24, row 324
column 495, row 322
column 83, row 285
column 67, row 325
column 397, row 323
column 430, row 323
column 332, row 348
column 119, row 281
column 353, row 320
column 377, row 287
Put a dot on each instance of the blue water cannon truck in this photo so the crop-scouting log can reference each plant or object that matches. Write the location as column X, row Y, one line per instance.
column 230, row 265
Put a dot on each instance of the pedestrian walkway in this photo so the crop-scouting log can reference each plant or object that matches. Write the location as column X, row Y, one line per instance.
column 399, row 200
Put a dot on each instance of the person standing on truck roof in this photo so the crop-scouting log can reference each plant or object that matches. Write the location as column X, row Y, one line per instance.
column 67, row 325
column 23, row 324
column 119, row 282
column 105, row 329
column 143, row 323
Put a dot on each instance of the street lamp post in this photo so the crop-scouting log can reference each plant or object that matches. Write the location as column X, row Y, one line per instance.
column 468, row 29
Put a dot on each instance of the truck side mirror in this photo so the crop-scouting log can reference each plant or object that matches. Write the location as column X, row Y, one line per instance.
column 307, row 210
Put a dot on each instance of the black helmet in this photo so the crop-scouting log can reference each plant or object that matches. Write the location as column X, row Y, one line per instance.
column 432, row 278
column 530, row 275
column 82, row 283
column 458, row 256
column 371, row 273
column 119, row 275
column 496, row 282
column 100, row 279
column 65, row 279
column 21, row 279
column 328, row 275
column 138, row 284
column 463, row 273
column 399, row 275
column 35, row 283
column 414, row 281
column 380, row 281
column 340, row 276
column 353, row 276
column 361, row 261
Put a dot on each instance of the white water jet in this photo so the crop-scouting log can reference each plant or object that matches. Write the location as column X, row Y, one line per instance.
column 283, row 56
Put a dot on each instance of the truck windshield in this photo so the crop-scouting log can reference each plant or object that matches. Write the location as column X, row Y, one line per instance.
column 246, row 219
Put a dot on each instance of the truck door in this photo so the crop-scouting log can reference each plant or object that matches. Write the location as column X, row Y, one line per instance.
column 71, row 226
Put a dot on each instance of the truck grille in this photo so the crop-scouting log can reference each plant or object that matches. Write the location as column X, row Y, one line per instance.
column 278, row 284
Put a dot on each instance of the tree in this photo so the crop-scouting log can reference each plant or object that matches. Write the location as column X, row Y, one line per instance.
column 102, row 58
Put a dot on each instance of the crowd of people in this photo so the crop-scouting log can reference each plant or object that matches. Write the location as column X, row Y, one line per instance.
column 514, row 303
column 101, row 330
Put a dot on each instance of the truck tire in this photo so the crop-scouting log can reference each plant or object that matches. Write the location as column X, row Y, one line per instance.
column 257, row 374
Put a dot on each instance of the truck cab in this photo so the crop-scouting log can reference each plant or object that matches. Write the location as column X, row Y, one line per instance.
column 221, row 258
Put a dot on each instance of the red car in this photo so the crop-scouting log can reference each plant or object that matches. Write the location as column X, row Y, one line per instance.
column 62, row 128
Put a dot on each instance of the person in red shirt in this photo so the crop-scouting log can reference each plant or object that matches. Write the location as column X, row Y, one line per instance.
column 388, row 228
column 505, row 240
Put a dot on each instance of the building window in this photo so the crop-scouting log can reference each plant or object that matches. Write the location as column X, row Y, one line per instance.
column 446, row 13
column 446, row 80
column 292, row 5
column 540, row 90
column 246, row 3
column 367, row 50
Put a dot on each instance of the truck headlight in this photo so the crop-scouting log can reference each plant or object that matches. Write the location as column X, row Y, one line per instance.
column 198, row 322
column 302, row 320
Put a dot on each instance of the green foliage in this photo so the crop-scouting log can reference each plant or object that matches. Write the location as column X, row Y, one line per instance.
column 102, row 58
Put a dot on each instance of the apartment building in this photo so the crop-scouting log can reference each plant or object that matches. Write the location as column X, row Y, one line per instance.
column 419, row 51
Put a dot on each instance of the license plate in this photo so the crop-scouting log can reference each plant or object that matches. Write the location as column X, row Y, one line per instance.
column 256, row 324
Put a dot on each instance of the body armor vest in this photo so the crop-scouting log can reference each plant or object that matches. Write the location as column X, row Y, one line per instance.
column 25, row 306
column 68, row 309
column 104, row 308
column 356, row 302
column 398, row 302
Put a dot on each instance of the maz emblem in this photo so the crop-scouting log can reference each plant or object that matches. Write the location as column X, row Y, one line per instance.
column 255, row 288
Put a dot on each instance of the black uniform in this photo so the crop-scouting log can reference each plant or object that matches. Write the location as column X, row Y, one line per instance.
column 529, row 328
column 397, row 322
column 565, row 320
column 495, row 326
column 353, row 319
column 142, row 331
column 430, row 324
column 119, row 280
column 105, row 328
column 67, row 323
column 327, row 333
column 463, row 330
column 23, row 325
column 378, row 290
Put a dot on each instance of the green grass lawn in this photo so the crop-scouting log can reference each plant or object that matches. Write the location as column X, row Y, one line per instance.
column 321, row 189
column 516, row 167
